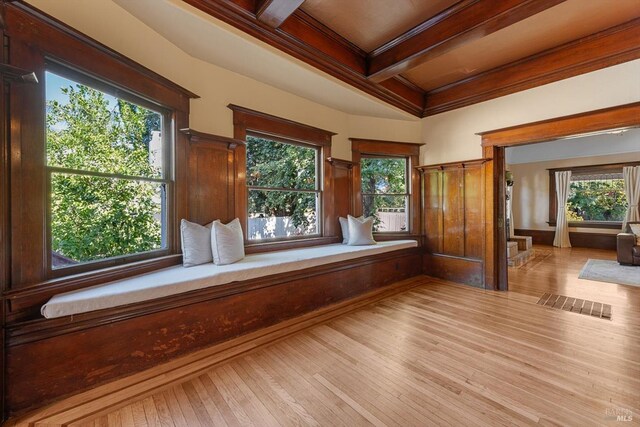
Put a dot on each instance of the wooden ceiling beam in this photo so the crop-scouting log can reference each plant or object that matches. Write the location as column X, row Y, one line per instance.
column 464, row 22
column 308, row 40
column 606, row 48
column 275, row 12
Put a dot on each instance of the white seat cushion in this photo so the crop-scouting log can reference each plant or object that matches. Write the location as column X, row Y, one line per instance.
column 177, row 280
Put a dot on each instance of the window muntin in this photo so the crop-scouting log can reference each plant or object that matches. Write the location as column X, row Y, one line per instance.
column 283, row 182
column 385, row 192
column 596, row 197
column 107, row 170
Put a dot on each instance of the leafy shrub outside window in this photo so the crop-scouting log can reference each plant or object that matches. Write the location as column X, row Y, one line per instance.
column 105, row 164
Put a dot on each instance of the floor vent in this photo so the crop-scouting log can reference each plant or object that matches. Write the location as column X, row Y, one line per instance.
column 576, row 305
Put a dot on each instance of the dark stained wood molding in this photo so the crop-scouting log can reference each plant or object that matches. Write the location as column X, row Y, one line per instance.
column 618, row 117
column 604, row 49
column 306, row 39
column 269, row 124
column 334, row 161
column 463, row 270
column 578, row 239
column 442, row 166
column 30, row 25
column 153, row 335
column 275, row 12
column 256, row 248
column 195, row 136
column 379, row 146
column 462, row 23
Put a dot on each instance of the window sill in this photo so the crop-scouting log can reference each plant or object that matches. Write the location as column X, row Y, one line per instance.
column 396, row 235
column 591, row 224
column 256, row 248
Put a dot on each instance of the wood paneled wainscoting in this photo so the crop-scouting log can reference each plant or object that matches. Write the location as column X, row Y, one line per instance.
column 454, row 221
column 50, row 358
column 578, row 239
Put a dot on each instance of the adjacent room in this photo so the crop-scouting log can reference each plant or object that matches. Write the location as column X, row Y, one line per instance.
column 319, row 212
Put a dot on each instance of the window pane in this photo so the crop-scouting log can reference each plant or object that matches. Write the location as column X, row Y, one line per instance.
column 94, row 218
column 278, row 214
column 279, row 165
column 92, row 131
column 596, row 200
column 383, row 175
column 389, row 212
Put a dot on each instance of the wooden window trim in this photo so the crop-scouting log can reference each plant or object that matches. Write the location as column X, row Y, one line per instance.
column 411, row 152
column 553, row 203
column 35, row 39
column 247, row 121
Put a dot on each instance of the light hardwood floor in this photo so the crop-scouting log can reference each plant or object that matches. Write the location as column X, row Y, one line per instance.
column 433, row 353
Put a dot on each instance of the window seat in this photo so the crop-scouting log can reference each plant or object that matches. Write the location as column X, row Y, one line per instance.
column 177, row 280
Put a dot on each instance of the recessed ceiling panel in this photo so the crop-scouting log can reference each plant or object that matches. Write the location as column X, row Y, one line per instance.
column 370, row 23
column 563, row 23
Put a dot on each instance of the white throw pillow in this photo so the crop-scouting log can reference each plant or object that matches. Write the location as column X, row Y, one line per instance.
column 360, row 231
column 196, row 243
column 344, row 225
column 227, row 242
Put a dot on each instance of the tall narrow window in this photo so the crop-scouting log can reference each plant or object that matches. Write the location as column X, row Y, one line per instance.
column 107, row 160
column 385, row 194
column 283, row 188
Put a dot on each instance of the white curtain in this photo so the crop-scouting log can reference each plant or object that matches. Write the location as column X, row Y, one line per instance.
column 563, row 181
column 631, row 175
column 510, row 211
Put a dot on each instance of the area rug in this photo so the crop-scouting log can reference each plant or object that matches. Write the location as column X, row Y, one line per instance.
column 610, row 271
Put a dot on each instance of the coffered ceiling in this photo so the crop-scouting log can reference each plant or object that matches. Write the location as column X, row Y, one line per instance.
column 430, row 56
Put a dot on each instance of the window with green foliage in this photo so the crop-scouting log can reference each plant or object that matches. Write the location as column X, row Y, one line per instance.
column 284, row 188
column 385, row 192
column 597, row 197
column 107, row 160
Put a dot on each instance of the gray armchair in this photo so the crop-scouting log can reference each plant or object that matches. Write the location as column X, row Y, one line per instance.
column 627, row 247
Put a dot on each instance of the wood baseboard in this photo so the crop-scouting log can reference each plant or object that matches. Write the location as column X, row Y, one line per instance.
column 578, row 240
column 108, row 397
column 463, row 270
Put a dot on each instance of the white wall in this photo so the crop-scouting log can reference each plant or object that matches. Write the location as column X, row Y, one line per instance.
column 451, row 136
column 531, row 189
column 217, row 87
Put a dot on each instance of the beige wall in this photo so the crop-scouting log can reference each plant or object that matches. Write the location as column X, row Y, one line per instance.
column 531, row 189
column 113, row 26
column 451, row 136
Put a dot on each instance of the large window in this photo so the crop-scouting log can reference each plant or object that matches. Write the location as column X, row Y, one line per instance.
column 107, row 170
column 385, row 194
column 596, row 197
column 283, row 188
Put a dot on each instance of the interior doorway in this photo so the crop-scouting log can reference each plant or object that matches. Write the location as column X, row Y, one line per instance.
column 494, row 144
